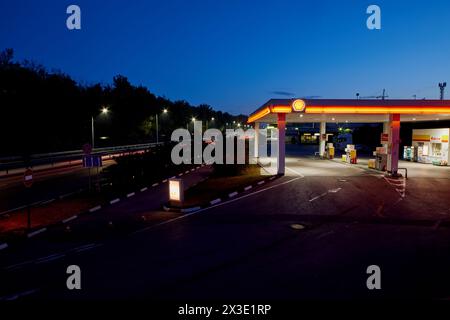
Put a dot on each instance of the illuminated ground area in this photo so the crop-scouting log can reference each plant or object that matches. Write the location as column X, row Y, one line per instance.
column 247, row 248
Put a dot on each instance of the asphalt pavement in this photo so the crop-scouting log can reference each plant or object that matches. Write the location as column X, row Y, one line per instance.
column 252, row 247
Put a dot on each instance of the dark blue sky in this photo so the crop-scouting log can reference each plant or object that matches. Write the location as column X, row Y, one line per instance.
column 233, row 54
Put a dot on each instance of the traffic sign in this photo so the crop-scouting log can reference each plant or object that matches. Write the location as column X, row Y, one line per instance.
column 28, row 178
column 92, row 161
column 87, row 149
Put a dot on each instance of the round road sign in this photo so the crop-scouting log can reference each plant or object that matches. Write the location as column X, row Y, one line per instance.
column 28, row 178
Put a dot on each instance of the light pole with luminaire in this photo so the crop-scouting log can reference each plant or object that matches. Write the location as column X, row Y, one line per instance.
column 105, row 112
column 157, row 129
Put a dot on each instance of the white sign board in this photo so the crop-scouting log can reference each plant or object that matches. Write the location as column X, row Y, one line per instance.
column 176, row 192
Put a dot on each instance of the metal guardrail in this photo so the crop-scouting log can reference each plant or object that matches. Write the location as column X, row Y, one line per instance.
column 16, row 162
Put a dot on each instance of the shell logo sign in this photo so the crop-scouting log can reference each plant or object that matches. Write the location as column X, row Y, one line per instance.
column 298, row 105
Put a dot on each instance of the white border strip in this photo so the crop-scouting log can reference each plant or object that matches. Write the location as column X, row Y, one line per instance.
column 95, row 209
column 233, row 194
column 70, row 219
column 188, row 210
column 34, row 233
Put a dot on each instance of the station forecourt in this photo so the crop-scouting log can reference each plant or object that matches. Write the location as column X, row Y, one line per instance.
column 390, row 113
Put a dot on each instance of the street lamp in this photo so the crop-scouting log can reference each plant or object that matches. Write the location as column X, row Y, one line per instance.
column 104, row 111
column 157, row 129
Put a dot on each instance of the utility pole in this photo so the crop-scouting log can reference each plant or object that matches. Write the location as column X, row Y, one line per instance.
column 92, row 131
column 157, row 129
column 442, row 89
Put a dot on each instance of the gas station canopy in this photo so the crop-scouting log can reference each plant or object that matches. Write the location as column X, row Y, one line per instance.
column 389, row 112
column 351, row 110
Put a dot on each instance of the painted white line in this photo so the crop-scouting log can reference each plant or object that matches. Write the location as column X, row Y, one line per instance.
column 164, row 181
column 172, row 177
column 34, row 233
column 213, row 202
column 18, row 295
column 48, row 201
column 233, row 194
column 95, row 209
column 271, row 178
column 155, row 184
column 261, row 182
column 187, row 171
column 334, row 190
column 18, row 265
column 132, row 194
column 49, row 258
column 87, row 247
column 193, row 169
column 318, row 197
column 70, row 219
column 248, row 188
column 114, row 201
column 180, row 174
column 144, row 189
column 3, row 246
column 188, row 210
column 215, row 206
column 295, row 171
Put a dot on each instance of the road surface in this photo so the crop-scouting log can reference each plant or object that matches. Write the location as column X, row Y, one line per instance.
column 252, row 247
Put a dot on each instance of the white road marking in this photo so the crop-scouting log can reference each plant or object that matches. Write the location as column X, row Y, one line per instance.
column 95, row 209
column 213, row 202
column 155, row 184
column 214, row 206
column 295, row 171
column 18, row 295
column 34, row 233
column 50, row 258
column 144, row 189
column 318, row 197
column 248, row 188
column 70, row 219
column 233, row 194
column 114, row 201
column 3, row 246
column 132, row 194
column 87, row 247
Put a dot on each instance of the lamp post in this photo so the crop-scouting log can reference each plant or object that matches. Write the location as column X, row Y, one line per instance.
column 104, row 111
column 157, row 128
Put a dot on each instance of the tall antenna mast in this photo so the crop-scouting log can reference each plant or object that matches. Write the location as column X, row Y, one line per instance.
column 442, row 89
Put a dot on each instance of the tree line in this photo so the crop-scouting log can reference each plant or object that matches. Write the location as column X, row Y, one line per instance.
column 43, row 111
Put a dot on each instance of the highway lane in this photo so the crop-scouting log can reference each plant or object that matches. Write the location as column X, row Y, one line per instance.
column 48, row 184
column 247, row 248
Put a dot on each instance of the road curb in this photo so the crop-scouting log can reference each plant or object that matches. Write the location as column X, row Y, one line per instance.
column 101, row 206
column 35, row 233
column 234, row 194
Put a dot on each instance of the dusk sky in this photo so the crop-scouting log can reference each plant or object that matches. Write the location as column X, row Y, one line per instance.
column 235, row 55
